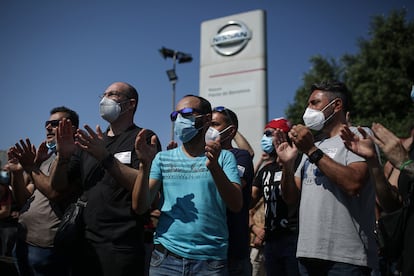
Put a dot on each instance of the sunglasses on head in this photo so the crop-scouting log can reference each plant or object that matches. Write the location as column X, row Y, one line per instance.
column 219, row 109
column 185, row 112
column 226, row 113
column 52, row 123
column 268, row 133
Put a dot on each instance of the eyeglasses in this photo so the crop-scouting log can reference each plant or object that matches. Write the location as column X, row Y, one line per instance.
column 185, row 112
column 268, row 133
column 52, row 123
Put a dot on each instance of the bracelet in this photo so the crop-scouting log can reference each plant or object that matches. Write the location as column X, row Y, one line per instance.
column 405, row 164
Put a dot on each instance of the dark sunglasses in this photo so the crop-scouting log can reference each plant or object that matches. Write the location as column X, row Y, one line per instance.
column 268, row 133
column 52, row 123
column 185, row 112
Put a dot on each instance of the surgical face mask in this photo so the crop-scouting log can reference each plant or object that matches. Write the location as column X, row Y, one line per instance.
column 315, row 119
column 110, row 109
column 212, row 133
column 51, row 145
column 412, row 93
column 184, row 128
column 267, row 144
column 4, row 177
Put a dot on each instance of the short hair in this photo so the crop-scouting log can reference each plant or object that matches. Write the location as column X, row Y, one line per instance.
column 132, row 93
column 205, row 106
column 336, row 89
column 71, row 115
column 229, row 116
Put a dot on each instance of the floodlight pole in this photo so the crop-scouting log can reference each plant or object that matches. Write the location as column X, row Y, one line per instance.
column 172, row 76
column 173, row 82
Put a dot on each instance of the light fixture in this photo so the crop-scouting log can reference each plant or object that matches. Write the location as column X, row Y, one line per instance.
column 172, row 76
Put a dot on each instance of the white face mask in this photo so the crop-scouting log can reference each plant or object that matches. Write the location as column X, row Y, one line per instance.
column 212, row 133
column 315, row 119
column 109, row 109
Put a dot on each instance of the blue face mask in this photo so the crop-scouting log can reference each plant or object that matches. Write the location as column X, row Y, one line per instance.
column 51, row 145
column 267, row 144
column 412, row 93
column 184, row 128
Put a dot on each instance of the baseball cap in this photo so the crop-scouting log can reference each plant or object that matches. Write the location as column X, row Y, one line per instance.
column 280, row 123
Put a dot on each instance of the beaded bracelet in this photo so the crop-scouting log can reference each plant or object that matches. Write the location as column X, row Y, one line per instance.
column 405, row 164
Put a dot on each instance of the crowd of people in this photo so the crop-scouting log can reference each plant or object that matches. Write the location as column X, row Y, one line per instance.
column 309, row 206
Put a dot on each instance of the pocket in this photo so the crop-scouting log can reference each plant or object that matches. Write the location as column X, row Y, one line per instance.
column 216, row 264
column 157, row 258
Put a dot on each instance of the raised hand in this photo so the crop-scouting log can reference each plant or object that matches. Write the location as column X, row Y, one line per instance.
column 25, row 153
column 363, row 146
column 13, row 164
column 145, row 152
column 92, row 142
column 390, row 144
column 212, row 152
column 285, row 152
column 65, row 143
column 302, row 137
column 42, row 154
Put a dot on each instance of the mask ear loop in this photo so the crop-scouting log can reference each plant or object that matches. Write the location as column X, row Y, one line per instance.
column 120, row 105
column 224, row 130
column 333, row 112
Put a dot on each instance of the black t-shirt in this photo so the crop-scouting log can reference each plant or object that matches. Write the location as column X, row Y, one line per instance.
column 108, row 215
column 404, row 186
column 279, row 218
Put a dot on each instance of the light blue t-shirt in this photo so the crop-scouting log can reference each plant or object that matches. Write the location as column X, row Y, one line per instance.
column 192, row 223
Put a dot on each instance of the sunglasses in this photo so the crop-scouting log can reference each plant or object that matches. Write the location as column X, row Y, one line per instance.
column 219, row 109
column 268, row 133
column 185, row 112
column 52, row 123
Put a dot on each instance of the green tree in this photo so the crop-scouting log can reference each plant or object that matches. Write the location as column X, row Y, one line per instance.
column 379, row 76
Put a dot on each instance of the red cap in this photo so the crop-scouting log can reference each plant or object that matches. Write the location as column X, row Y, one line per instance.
column 280, row 123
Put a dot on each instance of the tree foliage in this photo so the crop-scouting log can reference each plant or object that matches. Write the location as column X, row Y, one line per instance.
column 379, row 76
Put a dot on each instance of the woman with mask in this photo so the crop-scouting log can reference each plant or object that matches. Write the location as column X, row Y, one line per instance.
column 279, row 234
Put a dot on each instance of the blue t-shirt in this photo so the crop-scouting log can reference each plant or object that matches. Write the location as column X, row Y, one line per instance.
column 192, row 223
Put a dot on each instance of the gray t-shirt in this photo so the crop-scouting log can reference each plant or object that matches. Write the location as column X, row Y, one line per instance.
column 38, row 217
column 333, row 225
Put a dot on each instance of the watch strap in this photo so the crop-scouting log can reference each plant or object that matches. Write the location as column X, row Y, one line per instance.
column 315, row 156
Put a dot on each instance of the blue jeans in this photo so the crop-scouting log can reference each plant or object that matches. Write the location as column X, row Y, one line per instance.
column 165, row 264
column 39, row 261
column 319, row 267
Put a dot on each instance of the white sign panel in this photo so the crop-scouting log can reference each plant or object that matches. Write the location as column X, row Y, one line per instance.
column 233, row 70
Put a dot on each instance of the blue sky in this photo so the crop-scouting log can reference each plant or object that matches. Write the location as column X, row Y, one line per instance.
column 66, row 52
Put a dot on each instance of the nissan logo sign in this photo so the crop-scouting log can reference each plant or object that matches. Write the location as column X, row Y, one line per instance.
column 231, row 38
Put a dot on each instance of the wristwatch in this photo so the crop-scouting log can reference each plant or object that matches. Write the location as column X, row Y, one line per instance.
column 315, row 156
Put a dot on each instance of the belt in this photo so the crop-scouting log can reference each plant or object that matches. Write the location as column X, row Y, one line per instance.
column 159, row 247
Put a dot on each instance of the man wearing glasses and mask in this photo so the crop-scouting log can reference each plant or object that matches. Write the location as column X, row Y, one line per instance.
column 197, row 180
column 106, row 165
